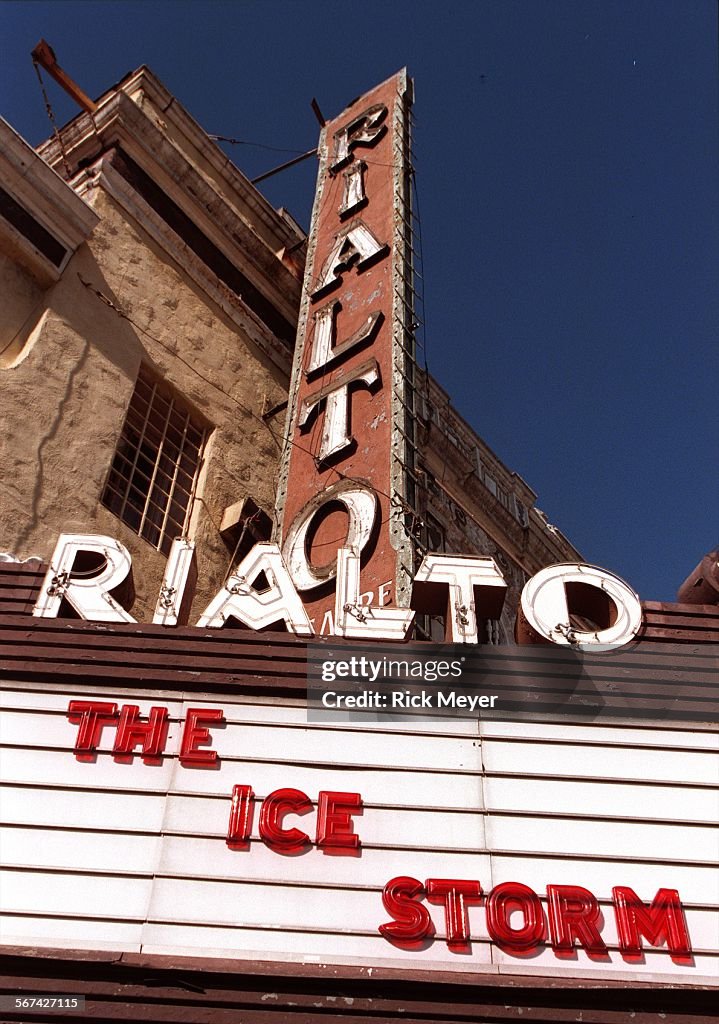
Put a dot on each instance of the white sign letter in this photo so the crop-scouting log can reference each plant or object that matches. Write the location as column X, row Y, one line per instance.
column 259, row 608
column 336, row 435
column 323, row 353
column 585, row 592
column 180, row 564
column 473, row 584
column 360, row 621
column 361, row 505
column 356, row 244
column 86, row 588
column 365, row 130
column 354, row 193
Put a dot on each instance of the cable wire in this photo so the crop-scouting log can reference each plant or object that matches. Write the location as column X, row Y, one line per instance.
column 51, row 116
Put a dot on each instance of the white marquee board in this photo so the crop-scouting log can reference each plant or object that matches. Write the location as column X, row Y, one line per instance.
column 131, row 856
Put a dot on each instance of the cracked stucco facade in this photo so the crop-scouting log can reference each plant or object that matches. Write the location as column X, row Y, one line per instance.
column 71, row 363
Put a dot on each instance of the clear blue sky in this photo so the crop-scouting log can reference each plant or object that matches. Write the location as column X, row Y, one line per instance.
column 567, row 167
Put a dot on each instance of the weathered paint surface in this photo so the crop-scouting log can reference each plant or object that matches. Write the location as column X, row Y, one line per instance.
column 363, row 290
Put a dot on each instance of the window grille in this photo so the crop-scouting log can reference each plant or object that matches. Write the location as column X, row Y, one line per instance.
column 435, row 534
column 154, row 472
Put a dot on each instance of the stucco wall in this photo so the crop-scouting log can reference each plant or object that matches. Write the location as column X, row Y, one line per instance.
column 21, row 304
column 65, row 403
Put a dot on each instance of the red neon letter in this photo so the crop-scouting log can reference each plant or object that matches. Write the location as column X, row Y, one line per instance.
column 454, row 892
column 334, row 822
column 662, row 922
column 195, row 734
column 500, row 903
column 238, row 830
column 275, row 806
column 573, row 913
column 151, row 734
column 91, row 716
column 412, row 922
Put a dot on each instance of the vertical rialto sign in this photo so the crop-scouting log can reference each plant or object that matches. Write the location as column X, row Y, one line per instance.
column 342, row 482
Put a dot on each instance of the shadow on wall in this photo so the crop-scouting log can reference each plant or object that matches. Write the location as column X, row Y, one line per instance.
column 53, row 384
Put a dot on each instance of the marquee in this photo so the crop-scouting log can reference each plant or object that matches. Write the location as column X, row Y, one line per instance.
column 229, row 825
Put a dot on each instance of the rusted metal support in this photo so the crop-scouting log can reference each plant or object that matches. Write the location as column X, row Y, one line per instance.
column 44, row 55
column 283, row 167
column 317, row 112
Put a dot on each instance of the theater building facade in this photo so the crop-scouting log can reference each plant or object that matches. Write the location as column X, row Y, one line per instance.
column 238, row 478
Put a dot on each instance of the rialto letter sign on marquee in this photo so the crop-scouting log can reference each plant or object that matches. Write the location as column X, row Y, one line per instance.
column 515, row 918
column 473, row 589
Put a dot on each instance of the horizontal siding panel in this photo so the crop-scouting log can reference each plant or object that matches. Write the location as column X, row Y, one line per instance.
column 698, row 633
column 14, row 604
column 50, row 892
column 375, row 867
column 423, row 828
column 159, row 655
column 577, row 760
column 42, row 766
column 55, row 731
column 654, row 962
column 119, row 674
column 237, row 709
column 44, row 807
column 375, row 785
column 188, row 901
column 699, row 885
column 168, row 939
column 68, row 933
column 610, row 735
column 601, row 838
column 396, row 786
column 30, row 567
column 208, row 816
column 684, row 619
column 60, row 850
column 241, row 937
column 369, row 749
column 96, row 851
column 21, row 589
column 623, row 800
column 676, row 608
column 179, row 940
